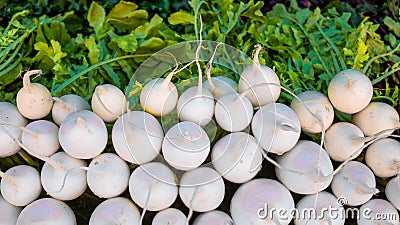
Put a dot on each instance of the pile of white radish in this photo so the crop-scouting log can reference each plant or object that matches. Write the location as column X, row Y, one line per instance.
column 144, row 173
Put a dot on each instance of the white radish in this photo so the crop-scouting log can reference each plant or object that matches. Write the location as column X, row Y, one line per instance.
column 109, row 102
column 9, row 213
column 258, row 74
column 10, row 115
column 378, row 211
column 383, row 157
column 220, row 85
column 66, row 105
column 117, row 210
column 377, row 117
column 392, row 191
column 83, row 135
column 252, row 202
column 313, row 166
column 170, row 216
column 137, row 137
column 314, row 110
column 47, row 211
column 108, row 175
column 20, row 185
column 186, row 146
column 355, row 182
column 233, row 112
column 276, row 127
column 41, row 137
column 201, row 190
column 237, row 157
column 214, row 217
column 350, row 91
column 314, row 210
column 34, row 101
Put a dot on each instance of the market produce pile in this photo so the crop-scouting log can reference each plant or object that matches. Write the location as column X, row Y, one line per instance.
column 214, row 113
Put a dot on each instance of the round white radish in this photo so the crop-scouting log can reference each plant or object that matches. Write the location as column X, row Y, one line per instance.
column 41, row 137
column 214, row 217
column 355, row 182
column 378, row 211
column 314, row 210
column 83, row 135
column 137, row 137
column 47, row 211
column 9, row 114
column 117, row 210
column 201, row 189
column 196, row 104
column 251, row 203
column 377, row 117
column 186, row 146
column 169, row 216
column 8, row 213
column 307, row 168
column 108, row 175
column 159, row 96
column 276, row 127
column 62, row 177
column 343, row 140
column 350, row 91
column 314, row 110
column 66, row 105
column 383, row 157
column 392, row 191
column 221, row 86
column 237, row 157
column 109, row 102
column 152, row 186
column 34, row 101
column 233, row 112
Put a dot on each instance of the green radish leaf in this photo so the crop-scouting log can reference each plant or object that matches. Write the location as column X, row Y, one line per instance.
column 125, row 16
column 182, row 18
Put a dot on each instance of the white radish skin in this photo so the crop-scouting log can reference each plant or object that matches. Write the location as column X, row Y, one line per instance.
column 196, row 104
column 304, row 158
column 186, row 146
column 109, row 102
column 65, row 181
column 34, row 100
column 377, row 117
column 221, row 86
column 47, row 211
column 66, row 105
column 383, row 157
column 152, row 186
column 237, row 157
column 342, row 140
column 319, row 203
column 350, row 91
column 137, row 137
column 378, row 211
column 169, row 216
column 248, row 205
column 8, row 213
column 83, row 135
column 313, row 109
column 233, row 112
column 392, row 191
column 117, row 210
column 276, row 127
column 108, row 175
column 41, row 137
column 159, row 97
column 20, row 185
column 214, row 217
column 355, row 182
column 258, row 74
column 10, row 115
